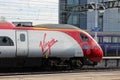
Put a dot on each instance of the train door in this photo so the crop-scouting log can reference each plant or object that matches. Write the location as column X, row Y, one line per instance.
column 22, row 43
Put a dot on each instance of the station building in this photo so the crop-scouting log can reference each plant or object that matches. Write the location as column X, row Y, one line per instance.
column 109, row 20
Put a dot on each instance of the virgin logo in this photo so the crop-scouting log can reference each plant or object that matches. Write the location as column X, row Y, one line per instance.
column 46, row 45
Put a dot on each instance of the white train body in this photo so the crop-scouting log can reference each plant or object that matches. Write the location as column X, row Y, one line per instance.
column 29, row 43
column 22, row 45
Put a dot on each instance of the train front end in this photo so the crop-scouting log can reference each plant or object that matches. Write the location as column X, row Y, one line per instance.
column 91, row 49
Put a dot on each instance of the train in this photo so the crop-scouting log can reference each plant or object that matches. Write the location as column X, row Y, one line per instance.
column 109, row 42
column 47, row 45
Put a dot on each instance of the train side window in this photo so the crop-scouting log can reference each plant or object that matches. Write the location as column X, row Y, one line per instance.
column 6, row 41
column 115, row 39
column 100, row 39
column 106, row 39
column 84, row 37
column 22, row 37
column 118, row 39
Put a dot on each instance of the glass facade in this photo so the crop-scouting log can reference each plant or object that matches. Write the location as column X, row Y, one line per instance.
column 72, row 2
column 109, row 20
column 73, row 18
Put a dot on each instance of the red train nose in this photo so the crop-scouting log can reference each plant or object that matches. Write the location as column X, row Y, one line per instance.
column 96, row 54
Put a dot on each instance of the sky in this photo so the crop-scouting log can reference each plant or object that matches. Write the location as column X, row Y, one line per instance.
column 36, row 11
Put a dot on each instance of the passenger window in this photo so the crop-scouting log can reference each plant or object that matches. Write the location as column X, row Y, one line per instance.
column 106, row 39
column 114, row 39
column 83, row 37
column 100, row 39
column 6, row 41
column 118, row 39
column 22, row 37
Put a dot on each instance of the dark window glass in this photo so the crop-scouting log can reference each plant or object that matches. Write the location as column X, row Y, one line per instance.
column 100, row 39
column 84, row 37
column 6, row 41
column 22, row 37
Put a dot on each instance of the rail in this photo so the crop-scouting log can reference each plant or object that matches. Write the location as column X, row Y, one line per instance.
column 112, row 57
column 109, row 62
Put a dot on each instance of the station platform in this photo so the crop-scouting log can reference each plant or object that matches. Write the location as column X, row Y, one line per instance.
column 107, row 62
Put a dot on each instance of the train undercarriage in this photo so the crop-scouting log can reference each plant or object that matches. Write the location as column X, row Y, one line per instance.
column 51, row 63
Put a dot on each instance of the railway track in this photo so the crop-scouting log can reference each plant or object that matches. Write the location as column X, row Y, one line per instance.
column 35, row 71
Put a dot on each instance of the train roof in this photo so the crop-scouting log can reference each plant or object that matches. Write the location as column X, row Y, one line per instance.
column 57, row 26
column 6, row 25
